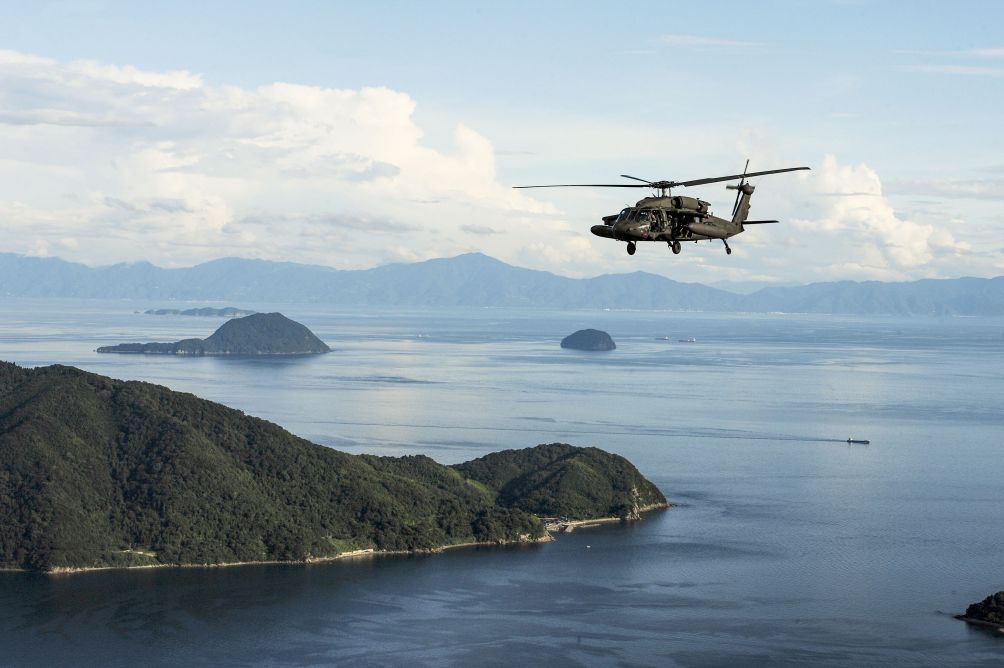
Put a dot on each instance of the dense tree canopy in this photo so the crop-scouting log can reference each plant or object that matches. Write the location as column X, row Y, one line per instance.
column 96, row 471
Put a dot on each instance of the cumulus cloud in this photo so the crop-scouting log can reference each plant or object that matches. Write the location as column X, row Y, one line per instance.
column 129, row 162
column 854, row 209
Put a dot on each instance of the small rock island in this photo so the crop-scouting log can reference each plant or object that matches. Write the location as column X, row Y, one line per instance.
column 589, row 339
column 988, row 612
column 258, row 334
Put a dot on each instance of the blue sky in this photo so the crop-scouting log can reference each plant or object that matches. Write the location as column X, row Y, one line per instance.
column 365, row 133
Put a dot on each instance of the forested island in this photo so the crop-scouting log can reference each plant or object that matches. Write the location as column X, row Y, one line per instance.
column 256, row 334
column 97, row 472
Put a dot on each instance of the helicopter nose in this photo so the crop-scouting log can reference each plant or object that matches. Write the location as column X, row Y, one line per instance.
column 639, row 231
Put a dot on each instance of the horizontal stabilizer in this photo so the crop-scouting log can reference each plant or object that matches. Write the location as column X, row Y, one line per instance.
column 758, row 222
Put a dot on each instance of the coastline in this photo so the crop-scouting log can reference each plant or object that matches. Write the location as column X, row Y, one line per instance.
column 352, row 554
column 558, row 526
column 979, row 622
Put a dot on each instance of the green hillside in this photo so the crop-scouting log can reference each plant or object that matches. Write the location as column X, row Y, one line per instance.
column 560, row 480
column 101, row 472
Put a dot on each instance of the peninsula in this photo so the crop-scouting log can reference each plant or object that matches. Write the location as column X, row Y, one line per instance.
column 256, row 334
column 99, row 473
column 988, row 612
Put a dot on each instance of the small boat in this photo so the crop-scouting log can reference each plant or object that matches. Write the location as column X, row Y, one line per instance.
column 662, row 338
column 858, row 440
column 690, row 340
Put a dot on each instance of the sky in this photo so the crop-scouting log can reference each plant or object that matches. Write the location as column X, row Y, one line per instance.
column 360, row 134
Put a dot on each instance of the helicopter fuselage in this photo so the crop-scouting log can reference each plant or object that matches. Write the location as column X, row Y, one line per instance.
column 666, row 219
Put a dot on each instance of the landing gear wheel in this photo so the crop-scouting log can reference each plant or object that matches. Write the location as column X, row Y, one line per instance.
column 676, row 248
column 631, row 248
column 728, row 251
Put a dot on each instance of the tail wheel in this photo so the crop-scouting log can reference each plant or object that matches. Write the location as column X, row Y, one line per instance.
column 631, row 248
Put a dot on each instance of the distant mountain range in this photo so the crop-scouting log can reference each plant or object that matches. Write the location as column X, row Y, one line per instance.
column 477, row 280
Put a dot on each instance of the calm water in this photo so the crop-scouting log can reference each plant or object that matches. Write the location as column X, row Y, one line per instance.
column 787, row 546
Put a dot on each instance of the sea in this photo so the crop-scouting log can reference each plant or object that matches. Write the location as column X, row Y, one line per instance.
column 785, row 544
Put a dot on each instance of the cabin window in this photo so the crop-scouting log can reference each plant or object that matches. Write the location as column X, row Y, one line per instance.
column 659, row 219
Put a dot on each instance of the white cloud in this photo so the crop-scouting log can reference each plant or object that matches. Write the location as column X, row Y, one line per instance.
column 966, row 70
column 106, row 163
column 992, row 52
column 984, row 52
column 855, row 213
column 565, row 254
column 988, row 189
column 705, row 42
column 180, row 80
column 161, row 166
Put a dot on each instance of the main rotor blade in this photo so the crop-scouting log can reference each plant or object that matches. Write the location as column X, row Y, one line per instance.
column 588, row 185
column 627, row 176
column 733, row 177
column 665, row 185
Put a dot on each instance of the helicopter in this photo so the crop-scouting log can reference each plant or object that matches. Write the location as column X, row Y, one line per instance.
column 676, row 218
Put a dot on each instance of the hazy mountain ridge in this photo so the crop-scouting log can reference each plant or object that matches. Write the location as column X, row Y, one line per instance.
column 478, row 280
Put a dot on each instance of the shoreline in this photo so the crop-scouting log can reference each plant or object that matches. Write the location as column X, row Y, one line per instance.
column 568, row 526
column 979, row 622
column 561, row 526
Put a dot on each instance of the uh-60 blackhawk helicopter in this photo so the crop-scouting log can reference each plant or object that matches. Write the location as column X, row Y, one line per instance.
column 675, row 218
